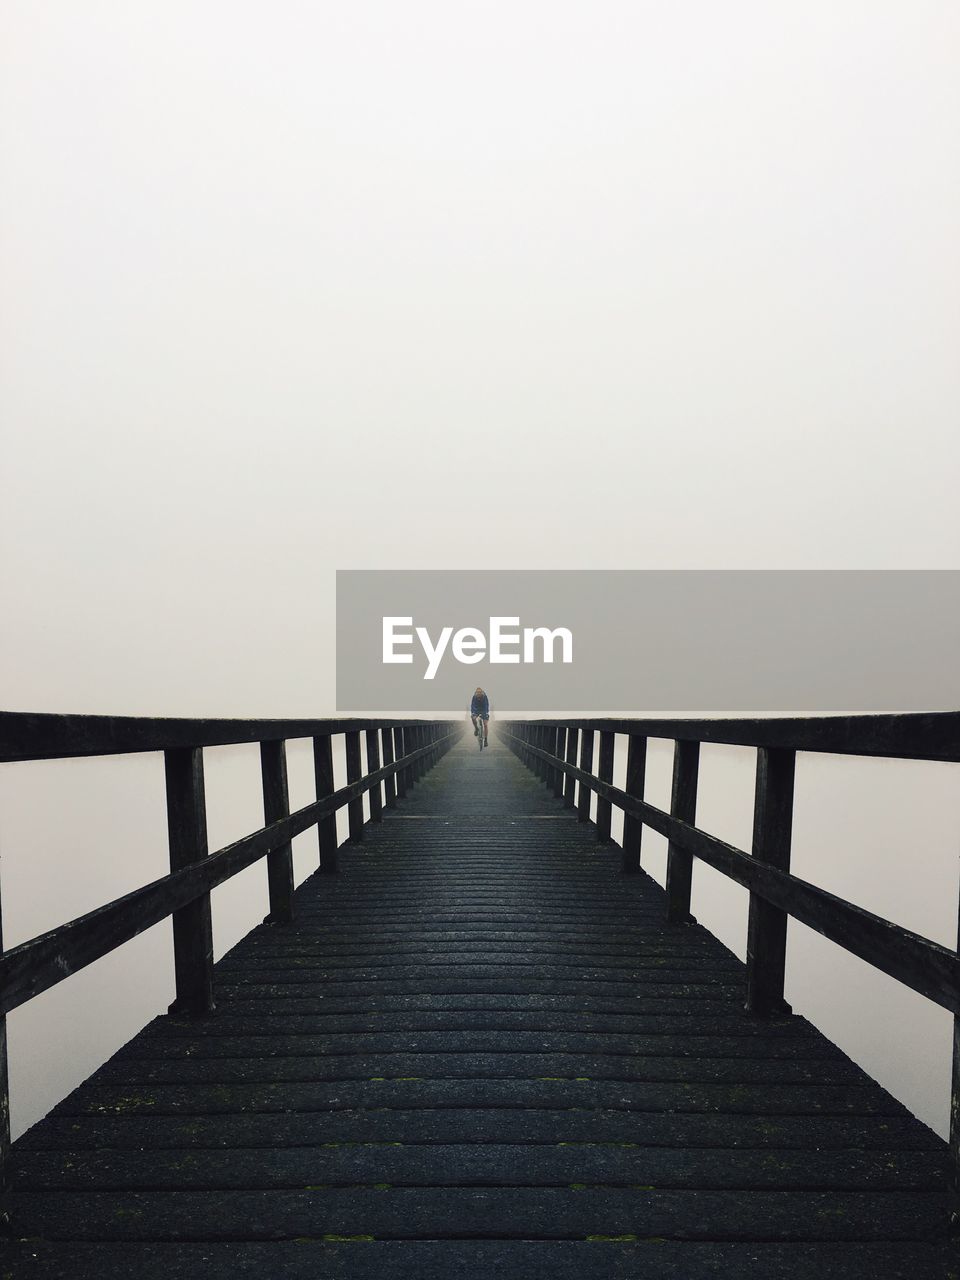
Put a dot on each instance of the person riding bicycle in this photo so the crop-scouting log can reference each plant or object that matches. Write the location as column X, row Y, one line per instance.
column 480, row 715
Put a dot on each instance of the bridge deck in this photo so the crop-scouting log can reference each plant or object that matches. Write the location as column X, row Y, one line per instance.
column 479, row 1051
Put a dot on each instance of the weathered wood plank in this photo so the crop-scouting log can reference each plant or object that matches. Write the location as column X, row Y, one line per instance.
column 486, row 1126
column 353, row 1095
column 596, row 1258
column 515, row 1212
column 465, row 1164
column 478, row 1065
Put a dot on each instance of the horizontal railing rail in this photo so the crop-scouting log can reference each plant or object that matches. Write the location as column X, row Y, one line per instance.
column 562, row 754
column 933, row 735
column 398, row 754
column 26, row 735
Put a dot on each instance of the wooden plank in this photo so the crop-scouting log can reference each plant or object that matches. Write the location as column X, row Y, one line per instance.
column 648, row 1130
column 464, row 1165
column 262, row 1040
column 518, row 1212
column 593, row 1258
column 192, row 928
column 276, row 806
column 626, row 1068
column 492, row 962
column 402, row 1094
column 428, row 1013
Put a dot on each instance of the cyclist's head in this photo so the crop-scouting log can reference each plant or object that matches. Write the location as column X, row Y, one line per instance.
column 479, row 690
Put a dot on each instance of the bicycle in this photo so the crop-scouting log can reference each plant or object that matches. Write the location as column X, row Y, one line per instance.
column 478, row 729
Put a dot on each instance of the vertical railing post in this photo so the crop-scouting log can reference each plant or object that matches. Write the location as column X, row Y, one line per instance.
column 550, row 744
column 4, row 1091
column 192, row 928
column 400, row 740
column 605, row 774
column 276, row 805
column 543, row 742
column 586, row 764
column 354, row 774
column 410, row 745
column 326, row 827
column 412, row 741
column 632, row 826
column 557, row 745
column 767, row 927
column 954, row 1097
column 373, row 764
column 570, row 784
column 389, row 784
column 683, row 805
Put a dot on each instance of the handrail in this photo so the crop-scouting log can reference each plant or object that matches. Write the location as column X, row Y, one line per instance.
column 561, row 752
column 407, row 748
column 27, row 735
column 927, row 735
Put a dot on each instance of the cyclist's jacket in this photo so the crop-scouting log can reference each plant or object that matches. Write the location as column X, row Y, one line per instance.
column 480, row 706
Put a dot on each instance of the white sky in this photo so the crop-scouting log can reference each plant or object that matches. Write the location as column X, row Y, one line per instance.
column 676, row 285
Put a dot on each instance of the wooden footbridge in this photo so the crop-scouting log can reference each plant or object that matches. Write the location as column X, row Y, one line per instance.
column 479, row 1041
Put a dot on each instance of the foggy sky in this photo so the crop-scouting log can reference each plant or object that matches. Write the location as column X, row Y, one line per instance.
column 676, row 285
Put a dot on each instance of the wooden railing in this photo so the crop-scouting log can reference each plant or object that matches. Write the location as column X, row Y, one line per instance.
column 398, row 754
column 562, row 754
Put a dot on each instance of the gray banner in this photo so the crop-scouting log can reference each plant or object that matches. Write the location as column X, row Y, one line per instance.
column 647, row 641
